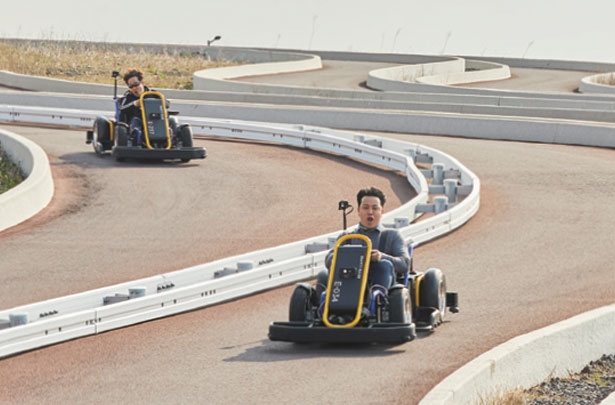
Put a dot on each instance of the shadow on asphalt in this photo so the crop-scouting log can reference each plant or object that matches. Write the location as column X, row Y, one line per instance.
column 89, row 160
column 265, row 351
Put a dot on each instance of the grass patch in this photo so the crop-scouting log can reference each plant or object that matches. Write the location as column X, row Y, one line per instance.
column 607, row 79
column 10, row 174
column 93, row 62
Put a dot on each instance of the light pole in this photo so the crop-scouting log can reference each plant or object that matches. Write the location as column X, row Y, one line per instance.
column 448, row 36
column 529, row 45
column 214, row 39
column 395, row 39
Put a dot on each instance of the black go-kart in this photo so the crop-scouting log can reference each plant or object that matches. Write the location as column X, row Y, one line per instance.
column 351, row 312
column 161, row 138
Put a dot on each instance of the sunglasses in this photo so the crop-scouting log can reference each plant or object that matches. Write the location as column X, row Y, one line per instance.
column 135, row 84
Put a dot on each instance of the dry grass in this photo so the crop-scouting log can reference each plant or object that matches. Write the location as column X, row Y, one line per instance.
column 92, row 62
column 607, row 79
column 504, row 397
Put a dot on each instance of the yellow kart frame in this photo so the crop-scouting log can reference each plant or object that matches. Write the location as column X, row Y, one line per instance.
column 332, row 276
column 146, row 123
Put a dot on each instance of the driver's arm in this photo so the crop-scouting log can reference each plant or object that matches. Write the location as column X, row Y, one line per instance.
column 395, row 251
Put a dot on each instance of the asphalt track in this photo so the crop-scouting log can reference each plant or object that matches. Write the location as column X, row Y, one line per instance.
column 539, row 250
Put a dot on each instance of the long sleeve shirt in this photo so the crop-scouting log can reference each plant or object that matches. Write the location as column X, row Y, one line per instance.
column 389, row 242
column 128, row 110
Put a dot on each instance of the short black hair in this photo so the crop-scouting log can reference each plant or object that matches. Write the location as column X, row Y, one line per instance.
column 133, row 73
column 371, row 192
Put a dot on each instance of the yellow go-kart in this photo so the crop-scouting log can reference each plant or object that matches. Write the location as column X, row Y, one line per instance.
column 161, row 138
column 351, row 312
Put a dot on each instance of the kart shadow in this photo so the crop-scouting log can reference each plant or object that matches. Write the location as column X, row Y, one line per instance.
column 269, row 351
column 89, row 160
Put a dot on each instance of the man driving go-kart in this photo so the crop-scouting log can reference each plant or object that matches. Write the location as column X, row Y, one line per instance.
column 143, row 127
column 369, row 292
column 389, row 255
column 130, row 107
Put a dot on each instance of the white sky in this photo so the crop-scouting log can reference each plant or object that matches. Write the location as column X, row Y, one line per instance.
column 551, row 29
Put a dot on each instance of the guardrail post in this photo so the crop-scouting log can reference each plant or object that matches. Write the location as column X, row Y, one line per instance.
column 401, row 222
column 412, row 154
column 136, row 292
column 450, row 190
column 440, row 204
column 438, row 174
column 18, row 319
column 243, row 266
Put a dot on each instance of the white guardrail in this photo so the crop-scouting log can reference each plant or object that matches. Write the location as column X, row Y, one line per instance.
column 56, row 320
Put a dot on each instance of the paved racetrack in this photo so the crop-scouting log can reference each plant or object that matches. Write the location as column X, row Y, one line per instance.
column 539, row 251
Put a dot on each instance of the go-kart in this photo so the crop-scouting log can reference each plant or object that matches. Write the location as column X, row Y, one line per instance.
column 350, row 312
column 161, row 138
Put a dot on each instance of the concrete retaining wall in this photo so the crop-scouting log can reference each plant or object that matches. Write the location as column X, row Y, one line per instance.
column 529, row 359
column 476, row 71
column 35, row 192
column 592, row 84
column 214, row 79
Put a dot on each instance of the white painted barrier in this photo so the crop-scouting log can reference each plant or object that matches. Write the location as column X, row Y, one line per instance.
column 573, row 342
column 426, row 77
column 465, row 125
column 214, row 79
column 35, row 192
column 597, row 84
column 84, row 314
column 475, row 71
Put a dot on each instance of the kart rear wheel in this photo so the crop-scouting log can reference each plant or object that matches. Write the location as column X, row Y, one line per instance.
column 401, row 310
column 299, row 305
column 433, row 291
column 101, row 139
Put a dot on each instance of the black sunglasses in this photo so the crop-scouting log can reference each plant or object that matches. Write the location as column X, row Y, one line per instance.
column 135, row 84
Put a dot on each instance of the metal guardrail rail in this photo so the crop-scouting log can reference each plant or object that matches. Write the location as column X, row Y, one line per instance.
column 44, row 323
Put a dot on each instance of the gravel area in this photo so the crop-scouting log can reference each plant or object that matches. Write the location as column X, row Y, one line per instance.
column 591, row 386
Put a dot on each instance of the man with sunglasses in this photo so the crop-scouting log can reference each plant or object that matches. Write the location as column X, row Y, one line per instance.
column 130, row 109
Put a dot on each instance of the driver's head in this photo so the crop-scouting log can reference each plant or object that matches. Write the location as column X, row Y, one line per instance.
column 134, row 80
column 371, row 202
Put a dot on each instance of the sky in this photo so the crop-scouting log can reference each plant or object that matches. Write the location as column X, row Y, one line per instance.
column 543, row 29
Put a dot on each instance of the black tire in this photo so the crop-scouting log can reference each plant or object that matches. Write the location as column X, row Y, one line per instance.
column 121, row 135
column 299, row 305
column 432, row 291
column 173, row 125
column 400, row 308
column 185, row 136
column 322, row 279
column 101, row 139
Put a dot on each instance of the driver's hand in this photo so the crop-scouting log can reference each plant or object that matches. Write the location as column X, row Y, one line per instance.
column 138, row 103
column 376, row 256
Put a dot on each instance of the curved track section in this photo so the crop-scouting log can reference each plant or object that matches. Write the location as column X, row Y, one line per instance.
column 504, row 268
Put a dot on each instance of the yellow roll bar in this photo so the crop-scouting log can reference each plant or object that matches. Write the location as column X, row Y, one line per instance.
column 363, row 281
column 144, row 118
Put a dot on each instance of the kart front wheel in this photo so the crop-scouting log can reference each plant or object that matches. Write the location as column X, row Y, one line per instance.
column 122, row 135
column 299, row 305
column 185, row 136
column 401, row 310
column 433, row 291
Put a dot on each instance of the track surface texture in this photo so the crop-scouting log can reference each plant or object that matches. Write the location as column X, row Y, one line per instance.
column 538, row 251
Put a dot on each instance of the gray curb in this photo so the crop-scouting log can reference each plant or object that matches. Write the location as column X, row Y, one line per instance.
column 552, row 351
column 36, row 191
